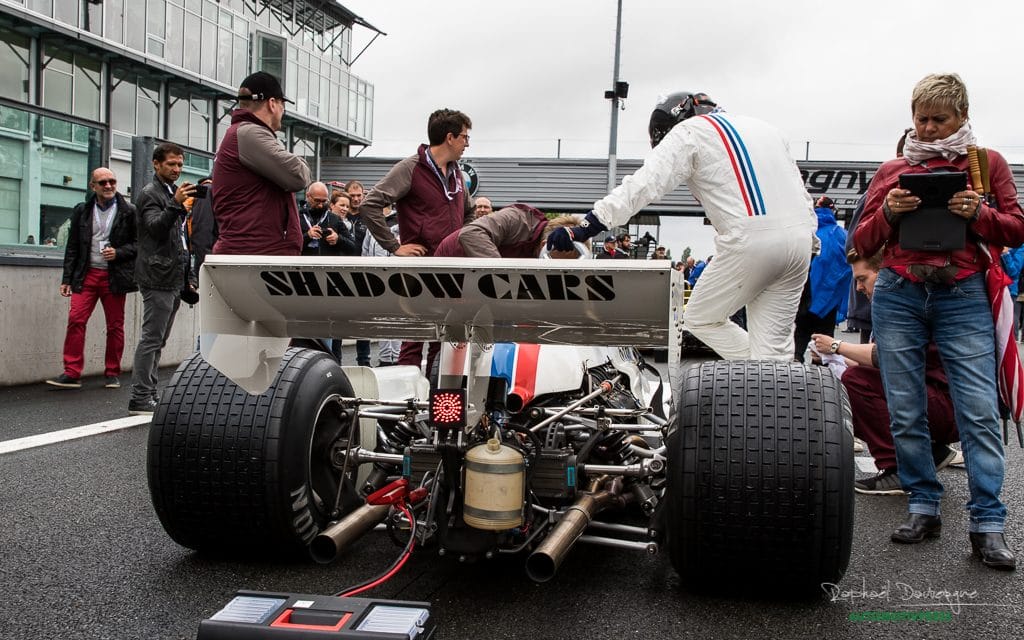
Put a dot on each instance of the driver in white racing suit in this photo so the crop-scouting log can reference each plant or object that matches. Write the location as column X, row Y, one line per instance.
column 741, row 171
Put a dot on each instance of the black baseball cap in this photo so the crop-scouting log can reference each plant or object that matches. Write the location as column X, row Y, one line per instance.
column 262, row 86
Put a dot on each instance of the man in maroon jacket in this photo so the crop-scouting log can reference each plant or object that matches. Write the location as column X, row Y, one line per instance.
column 426, row 189
column 428, row 192
column 517, row 231
column 255, row 178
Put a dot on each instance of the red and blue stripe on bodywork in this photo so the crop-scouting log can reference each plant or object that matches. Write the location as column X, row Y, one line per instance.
column 517, row 364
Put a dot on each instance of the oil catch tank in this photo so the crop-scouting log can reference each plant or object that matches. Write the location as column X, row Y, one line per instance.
column 494, row 486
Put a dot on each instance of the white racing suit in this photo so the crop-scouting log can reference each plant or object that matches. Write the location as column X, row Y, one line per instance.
column 740, row 170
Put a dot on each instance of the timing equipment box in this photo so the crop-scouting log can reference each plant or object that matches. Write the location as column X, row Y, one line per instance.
column 256, row 615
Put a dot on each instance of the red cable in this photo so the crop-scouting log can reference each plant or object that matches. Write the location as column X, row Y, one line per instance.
column 387, row 576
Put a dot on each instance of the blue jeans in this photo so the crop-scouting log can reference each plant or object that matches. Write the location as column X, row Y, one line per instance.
column 907, row 315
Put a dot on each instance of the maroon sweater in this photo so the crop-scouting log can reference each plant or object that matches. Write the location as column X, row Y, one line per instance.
column 1002, row 225
column 512, row 232
column 254, row 178
column 428, row 209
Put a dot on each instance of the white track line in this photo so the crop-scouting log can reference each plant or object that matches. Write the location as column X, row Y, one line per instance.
column 74, row 433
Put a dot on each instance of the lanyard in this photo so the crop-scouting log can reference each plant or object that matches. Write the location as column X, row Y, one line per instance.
column 104, row 224
column 319, row 222
column 444, row 183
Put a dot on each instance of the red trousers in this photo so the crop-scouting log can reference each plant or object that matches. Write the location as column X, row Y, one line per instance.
column 96, row 287
column 871, row 414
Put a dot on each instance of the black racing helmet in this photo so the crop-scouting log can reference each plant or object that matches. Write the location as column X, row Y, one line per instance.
column 675, row 108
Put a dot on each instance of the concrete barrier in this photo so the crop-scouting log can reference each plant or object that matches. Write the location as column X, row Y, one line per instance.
column 35, row 318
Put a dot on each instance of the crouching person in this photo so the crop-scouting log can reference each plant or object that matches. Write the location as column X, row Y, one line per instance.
column 863, row 383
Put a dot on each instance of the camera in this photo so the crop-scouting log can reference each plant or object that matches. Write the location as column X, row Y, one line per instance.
column 201, row 191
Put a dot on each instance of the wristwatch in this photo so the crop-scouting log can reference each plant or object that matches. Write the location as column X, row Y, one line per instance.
column 834, row 347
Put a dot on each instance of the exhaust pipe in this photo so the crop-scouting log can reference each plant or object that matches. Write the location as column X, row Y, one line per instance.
column 544, row 562
column 333, row 540
column 517, row 399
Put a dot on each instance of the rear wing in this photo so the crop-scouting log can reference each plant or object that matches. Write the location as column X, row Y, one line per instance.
column 251, row 306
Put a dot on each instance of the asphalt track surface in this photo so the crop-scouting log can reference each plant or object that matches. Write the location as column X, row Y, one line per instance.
column 82, row 555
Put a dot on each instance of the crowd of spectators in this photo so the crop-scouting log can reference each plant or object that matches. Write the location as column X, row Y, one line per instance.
column 924, row 375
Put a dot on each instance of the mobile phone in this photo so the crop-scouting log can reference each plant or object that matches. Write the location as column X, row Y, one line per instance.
column 201, row 191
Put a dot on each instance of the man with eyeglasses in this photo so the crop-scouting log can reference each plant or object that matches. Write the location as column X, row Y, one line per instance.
column 254, row 177
column 99, row 266
column 428, row 191
column 314, row 216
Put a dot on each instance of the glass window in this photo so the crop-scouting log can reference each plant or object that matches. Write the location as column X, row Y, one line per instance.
column 134, row 18
column 175, row 35
column 134, row 107
column 14, row 66
column 199, row 124
column 39, row 201
column 177, row 117
column 189, row 120
column 155, row 18
column 115, row 20
column 240, row 61
column 209, row 44
column 193, row 42
column 88, row 80
column 270, row 55
column 44, row 7
column 15, row 120
column 224, row 55
column 291, row 76
column 57, row 79
column 67, row 11
column 148, row 107
column 94, row 18
column 304, row 146
column 224, row 108
column 122, row 101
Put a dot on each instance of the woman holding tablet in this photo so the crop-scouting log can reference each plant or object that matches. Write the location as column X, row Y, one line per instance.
column 922, row 296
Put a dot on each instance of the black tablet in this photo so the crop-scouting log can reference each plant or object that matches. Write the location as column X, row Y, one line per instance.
column 932, row 227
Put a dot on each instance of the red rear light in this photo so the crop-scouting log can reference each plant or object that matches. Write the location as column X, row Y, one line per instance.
column 448, row 408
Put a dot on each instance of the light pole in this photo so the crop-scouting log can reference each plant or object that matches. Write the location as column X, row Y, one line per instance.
column 619, row 92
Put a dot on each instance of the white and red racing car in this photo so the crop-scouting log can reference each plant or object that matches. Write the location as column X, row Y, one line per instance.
column 545, row 428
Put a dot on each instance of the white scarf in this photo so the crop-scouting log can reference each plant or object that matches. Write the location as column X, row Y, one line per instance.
column 917, row 152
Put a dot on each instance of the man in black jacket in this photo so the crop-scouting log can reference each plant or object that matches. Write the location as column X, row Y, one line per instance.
column 98, row 266
column 160, row 268
column 314, row 214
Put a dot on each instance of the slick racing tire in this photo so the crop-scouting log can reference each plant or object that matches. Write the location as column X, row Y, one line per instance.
column 231, row 472
column 760, row 485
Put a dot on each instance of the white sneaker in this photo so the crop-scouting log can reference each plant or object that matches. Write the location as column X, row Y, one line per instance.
column 958, row 460
column 858, row 445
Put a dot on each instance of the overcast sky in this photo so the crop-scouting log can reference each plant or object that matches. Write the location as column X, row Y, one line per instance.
column 836, row 75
